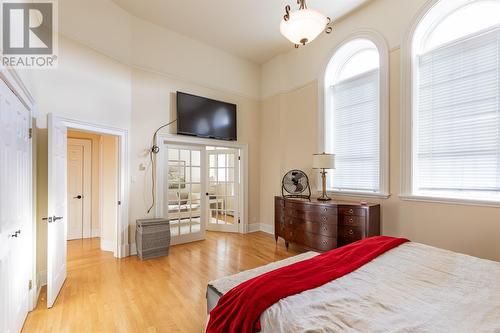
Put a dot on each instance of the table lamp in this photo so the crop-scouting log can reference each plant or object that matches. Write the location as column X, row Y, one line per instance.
column 324, row 162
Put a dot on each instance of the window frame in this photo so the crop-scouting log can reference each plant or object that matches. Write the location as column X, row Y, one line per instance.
column 382, row 47
column 431, row 15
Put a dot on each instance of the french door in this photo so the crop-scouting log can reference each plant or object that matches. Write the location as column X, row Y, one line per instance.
column 184, row 188
column 15, row 210
column 223, row 190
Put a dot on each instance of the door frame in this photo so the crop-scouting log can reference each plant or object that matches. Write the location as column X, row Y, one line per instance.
column 122, row 248
column 173, row 139
column 86, row 183
column 16, row 84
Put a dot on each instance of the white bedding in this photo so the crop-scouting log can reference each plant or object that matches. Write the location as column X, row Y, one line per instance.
column 412, row 288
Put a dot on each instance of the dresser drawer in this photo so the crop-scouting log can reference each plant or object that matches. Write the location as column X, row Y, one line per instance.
column 352, row 221
column 306, row 206
column 318, row 228
column 352, row 211
column 348, row 234
column 311, row 215
column 314, row 241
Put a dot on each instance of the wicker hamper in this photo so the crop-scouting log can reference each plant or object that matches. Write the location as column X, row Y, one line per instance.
column 152, row 237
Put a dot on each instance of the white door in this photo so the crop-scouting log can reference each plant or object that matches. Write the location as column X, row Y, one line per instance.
column 57, row 208
column 223, row 190
column 184, row 200
column 79, row 188
column 15, row 211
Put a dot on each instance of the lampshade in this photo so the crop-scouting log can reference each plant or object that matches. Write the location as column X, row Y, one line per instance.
column 323, row 161
column 303, row 26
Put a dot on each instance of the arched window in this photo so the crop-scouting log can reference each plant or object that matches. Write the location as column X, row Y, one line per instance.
column 355, row 127
column 455, row 104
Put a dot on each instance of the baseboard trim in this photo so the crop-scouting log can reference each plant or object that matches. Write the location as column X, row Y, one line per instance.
column 133, row 249
column 267, row 228
column 253, row 228
column 41, row 280
column 107, row 245
column 96, row 233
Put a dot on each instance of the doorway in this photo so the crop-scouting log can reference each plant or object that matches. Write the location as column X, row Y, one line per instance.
column 92, row 188
column 63, row 158
column 202, row 188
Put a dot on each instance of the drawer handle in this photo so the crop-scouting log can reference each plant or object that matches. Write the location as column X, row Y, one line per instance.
column 325, row 209
column 324, row 218
column 351, row 211
column 351, row 232
column 351, row 220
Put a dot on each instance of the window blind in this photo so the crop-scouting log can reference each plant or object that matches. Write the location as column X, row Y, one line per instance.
column 457, row 120
column 355, row 134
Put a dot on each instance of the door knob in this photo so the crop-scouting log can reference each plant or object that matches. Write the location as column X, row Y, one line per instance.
column 55, row 218
column 48, row 219
column 15, row 234
column 78, row 197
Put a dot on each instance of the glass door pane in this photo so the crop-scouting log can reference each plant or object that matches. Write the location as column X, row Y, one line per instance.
column 184, row 188
column 222, row 190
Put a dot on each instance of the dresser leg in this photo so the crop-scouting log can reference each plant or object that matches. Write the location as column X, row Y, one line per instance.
column 286, row 244
column 276, row 237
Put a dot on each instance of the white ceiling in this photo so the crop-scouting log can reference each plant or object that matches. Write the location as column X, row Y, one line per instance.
column 248, row 29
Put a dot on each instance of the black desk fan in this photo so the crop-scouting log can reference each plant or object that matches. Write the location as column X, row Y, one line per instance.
column 296, row 185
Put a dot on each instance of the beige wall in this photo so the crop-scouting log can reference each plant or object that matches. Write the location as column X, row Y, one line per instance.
column 469, row 229
column 109, row 179
column 95, row 205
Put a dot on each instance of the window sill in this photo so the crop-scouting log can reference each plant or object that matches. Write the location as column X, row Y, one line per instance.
column 452, row 201
column 360, row 194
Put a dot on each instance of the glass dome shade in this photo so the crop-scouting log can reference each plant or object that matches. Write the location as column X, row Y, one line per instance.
column 303, row 26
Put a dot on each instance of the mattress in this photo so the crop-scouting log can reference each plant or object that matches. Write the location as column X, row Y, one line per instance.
column 412, row 288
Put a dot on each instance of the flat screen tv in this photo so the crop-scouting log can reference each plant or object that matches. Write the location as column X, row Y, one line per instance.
column 206, row 118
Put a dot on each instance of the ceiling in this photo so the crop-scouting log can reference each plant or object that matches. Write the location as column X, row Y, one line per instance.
column 248, row 29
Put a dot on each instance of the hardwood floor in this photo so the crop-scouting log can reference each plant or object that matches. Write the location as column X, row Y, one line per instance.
column 104, row 294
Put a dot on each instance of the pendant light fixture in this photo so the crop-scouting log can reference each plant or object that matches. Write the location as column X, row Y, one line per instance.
column 304, row 25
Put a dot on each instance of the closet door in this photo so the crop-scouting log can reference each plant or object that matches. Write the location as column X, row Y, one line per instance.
column 15, row 210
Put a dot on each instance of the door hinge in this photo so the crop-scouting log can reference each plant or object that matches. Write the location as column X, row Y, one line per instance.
column 239, row 158
column 30, row 284
column 119, row 203
column 239, row 220
column 30, row 133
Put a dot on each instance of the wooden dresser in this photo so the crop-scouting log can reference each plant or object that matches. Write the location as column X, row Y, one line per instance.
column 323, row 226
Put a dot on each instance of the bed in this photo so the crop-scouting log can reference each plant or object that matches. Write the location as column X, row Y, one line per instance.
column 411, row 288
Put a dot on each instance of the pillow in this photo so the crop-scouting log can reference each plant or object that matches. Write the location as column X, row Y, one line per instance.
column 183, row 198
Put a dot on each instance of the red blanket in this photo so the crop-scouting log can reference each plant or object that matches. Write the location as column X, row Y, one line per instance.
column 239, row 310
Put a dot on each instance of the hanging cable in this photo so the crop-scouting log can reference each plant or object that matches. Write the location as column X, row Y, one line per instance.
column 155, row 149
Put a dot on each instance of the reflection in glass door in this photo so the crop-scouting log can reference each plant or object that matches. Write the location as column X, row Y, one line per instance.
column 223, row 189
column 184, row 188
